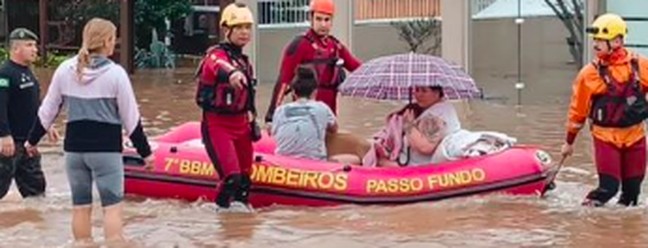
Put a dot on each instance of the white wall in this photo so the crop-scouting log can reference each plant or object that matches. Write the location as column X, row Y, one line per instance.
column 637, row 30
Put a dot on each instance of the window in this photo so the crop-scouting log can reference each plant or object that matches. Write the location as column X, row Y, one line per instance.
column 385, row 11
column 282, row 11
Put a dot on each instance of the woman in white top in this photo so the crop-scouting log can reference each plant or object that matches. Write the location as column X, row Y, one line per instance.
column 425, row 123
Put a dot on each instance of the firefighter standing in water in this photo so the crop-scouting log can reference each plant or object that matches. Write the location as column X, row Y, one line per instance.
column 611, row 92
column 320, row 50
column 226, row 96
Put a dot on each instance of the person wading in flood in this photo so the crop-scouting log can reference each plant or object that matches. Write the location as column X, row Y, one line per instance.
column 100, row 102
column 226, row 96
column 19, row 101
column 611, row 92
column 319, row 49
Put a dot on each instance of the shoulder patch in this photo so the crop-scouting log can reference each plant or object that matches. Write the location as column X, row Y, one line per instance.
column 4, row 82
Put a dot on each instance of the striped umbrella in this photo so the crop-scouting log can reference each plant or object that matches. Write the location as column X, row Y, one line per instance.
column 393, row 78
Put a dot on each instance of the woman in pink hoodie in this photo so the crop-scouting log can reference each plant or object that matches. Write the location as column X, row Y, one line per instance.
column 100, row 102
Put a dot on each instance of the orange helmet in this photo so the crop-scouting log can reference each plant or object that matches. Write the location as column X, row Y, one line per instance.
column 323, row 6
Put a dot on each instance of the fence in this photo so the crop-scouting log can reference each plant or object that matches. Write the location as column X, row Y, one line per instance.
column 381, row 11
column 282, row 13
column 294, row 13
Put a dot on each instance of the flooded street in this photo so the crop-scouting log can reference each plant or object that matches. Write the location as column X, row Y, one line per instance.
column 493, row 221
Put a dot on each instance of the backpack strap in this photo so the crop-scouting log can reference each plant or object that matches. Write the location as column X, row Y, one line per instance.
column 634, row 64
column 604, row 73
column 199, row 69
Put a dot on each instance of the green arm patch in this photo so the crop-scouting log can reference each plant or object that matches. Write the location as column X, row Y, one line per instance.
column 4, row 83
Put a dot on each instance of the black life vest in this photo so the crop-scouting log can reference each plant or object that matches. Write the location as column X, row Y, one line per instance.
column 622, row 105
column 324, row 60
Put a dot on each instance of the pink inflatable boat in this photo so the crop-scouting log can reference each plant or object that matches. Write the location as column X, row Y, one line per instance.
column 183, row 171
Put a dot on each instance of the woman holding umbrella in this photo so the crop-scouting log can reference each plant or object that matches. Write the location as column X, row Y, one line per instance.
column 425, row 123
column 430, row 81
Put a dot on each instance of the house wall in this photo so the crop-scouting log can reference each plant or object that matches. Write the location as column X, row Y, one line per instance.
column 547, row 65
column 546, row 61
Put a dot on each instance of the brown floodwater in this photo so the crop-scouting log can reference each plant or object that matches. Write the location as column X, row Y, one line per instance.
column 558, row 220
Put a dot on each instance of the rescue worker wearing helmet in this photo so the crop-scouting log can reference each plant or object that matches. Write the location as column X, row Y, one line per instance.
column 611, row 93
column 320, row 50
column 226, row 96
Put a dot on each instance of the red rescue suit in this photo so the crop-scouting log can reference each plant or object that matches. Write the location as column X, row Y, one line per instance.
column 225, row 125
column 622, row 105
column 326, row 55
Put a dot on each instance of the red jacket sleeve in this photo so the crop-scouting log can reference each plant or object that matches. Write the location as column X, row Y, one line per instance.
column 580, row 104
column 216, row 66
column 351, row 63
column 292, row 56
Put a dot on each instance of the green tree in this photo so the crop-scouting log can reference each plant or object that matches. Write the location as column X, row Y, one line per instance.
column 149, row 14
column 78, row 12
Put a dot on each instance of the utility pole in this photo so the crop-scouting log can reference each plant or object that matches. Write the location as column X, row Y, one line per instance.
column 126, row 28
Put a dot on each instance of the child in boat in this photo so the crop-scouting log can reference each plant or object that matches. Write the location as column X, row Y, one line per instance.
column 300, row 127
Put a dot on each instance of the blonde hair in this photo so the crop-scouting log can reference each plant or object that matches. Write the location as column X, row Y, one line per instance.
column 95, row 34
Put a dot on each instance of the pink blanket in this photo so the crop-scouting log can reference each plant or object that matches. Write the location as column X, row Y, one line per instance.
column 387, row 143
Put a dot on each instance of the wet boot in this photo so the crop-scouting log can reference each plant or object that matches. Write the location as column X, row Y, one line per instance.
column 243, row 192
column 608, row 188
column 630, row 189
column 227, row 191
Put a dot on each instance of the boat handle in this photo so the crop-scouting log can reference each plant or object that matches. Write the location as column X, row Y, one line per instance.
column 133, row 160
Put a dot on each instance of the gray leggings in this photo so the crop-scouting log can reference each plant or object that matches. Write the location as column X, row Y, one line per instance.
column 106, row 168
